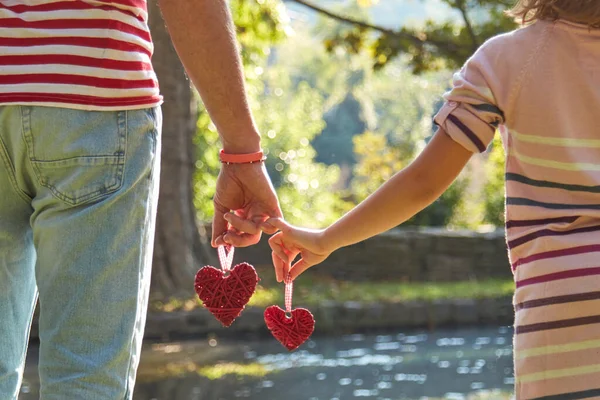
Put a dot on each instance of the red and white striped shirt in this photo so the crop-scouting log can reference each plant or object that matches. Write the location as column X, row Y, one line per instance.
column 84, row 54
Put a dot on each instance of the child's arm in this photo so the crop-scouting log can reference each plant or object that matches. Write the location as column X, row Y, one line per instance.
column 401, row 197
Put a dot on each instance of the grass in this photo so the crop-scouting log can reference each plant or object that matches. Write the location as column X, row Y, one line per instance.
column 381, row 292
column 218, row 371
column 309, row 292
column 212, row 372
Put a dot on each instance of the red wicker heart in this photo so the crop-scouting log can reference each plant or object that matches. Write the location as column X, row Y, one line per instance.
column 290, row 331
column 226, row 296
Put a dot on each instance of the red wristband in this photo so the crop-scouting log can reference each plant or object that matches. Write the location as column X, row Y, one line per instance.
column 247, row 158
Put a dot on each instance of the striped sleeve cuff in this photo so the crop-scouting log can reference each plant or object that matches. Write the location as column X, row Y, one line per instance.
column 468, row 124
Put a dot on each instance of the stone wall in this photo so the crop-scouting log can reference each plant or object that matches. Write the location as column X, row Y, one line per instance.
column 410, row 255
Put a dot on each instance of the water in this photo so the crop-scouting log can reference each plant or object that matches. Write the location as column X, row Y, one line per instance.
column 457, row 364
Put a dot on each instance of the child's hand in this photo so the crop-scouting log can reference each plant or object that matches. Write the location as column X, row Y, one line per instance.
column 291, row 241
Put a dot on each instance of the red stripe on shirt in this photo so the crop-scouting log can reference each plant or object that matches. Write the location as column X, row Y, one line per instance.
column 70, row 79
column 129, row 3
column 99, row 43
column 63, row 24
column 63, row 59
column 77, row 99
column 66, row 6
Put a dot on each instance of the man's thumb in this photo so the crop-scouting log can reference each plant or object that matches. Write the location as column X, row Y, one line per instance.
column 277, row 223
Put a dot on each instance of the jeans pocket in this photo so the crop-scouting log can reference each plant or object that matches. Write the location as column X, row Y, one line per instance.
column 78, row 155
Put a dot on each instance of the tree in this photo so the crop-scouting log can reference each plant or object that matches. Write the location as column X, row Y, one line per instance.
column 179, row 244
column 344, row 121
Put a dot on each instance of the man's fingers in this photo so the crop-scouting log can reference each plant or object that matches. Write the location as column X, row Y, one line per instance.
column 241, row 239
column 219, row 226
column 241, row 224
column 277, row 223
column 267, row 228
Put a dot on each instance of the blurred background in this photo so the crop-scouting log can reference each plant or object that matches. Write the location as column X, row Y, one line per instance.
column 343, row 92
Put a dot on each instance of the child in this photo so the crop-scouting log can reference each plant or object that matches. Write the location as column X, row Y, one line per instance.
column 540, row 86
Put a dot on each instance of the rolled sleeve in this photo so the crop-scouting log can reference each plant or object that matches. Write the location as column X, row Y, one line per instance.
column 471, row 115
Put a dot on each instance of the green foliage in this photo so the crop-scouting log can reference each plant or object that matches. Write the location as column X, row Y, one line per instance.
column 404, row 106
column 441, row 211
column 259, row 24
column 290, row 118
column 207, row 166
column 343, row 122
column 493, row 190
column 378, row 162
column 432, row 46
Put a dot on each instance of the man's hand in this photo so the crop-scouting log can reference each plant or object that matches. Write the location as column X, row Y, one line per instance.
column 247, row 190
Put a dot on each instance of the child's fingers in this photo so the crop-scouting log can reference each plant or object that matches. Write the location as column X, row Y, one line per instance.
column 278, row 247
column 280, row 267
column 299, row 267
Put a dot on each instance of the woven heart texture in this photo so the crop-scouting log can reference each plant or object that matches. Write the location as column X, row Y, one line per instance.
column 226, row 296
column 290, row 331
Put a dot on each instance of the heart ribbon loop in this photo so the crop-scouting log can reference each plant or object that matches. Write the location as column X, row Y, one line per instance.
column 226, row 257
column 289, row 290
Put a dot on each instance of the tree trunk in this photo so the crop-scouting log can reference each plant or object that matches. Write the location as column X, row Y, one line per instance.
column 179, row 246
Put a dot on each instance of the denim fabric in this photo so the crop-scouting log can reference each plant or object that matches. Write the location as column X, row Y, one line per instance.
column 78, row 197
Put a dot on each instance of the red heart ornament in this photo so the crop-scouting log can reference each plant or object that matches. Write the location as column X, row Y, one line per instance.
column 290, row 331
column 226, row 296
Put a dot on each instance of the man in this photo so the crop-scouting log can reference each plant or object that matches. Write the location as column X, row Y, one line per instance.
column 80, row 147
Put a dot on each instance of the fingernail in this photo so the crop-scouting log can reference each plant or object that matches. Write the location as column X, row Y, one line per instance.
column 227, row 217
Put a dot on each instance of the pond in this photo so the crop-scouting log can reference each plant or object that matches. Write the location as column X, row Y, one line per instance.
column 452, row 364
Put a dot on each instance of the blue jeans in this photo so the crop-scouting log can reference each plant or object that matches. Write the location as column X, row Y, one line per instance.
column 78, row 197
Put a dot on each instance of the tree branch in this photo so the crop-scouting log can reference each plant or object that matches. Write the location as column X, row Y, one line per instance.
column 463, row 10
column 447, row 46
column 352, row 21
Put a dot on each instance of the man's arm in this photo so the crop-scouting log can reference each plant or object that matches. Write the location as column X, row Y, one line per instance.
column 203, row 35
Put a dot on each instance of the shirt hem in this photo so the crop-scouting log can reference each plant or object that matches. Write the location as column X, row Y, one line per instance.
column 84, row 107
